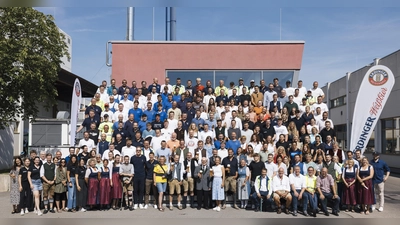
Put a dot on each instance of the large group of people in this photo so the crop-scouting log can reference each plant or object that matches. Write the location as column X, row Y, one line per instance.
column 270, row 148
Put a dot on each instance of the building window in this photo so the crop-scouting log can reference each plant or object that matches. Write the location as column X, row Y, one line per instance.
column 391, row 135
column 338, row 102
column 230, row 76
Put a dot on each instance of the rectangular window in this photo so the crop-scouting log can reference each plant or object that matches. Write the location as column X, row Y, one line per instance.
column 391, row 135
column 338, row 102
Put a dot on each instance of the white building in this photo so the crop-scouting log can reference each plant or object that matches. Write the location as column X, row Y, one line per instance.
column 67, row 63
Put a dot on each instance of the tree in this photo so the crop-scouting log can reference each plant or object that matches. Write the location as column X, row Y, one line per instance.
column 31, row 48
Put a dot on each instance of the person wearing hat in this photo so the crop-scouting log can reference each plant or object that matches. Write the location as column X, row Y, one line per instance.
column 289, row 89
column 251, row 87
column 381, row 174
column 241, row 86
column 310, row 98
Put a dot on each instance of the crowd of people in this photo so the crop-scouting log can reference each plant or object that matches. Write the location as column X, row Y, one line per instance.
column 270, row 148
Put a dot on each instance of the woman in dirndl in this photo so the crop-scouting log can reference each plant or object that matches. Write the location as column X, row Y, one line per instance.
column 243, row 184
column 365, row 188
column 116, row 190
column 92, row 181
column 105, row 177
column 81, row 187
column 349, row 180
column 218, row 191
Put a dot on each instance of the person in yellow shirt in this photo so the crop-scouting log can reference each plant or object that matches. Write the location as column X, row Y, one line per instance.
column 160, row 180
column 99, row 102
column 310, row 195
column 221, row 87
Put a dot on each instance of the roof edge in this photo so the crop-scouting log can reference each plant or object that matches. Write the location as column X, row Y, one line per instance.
column 208, row 42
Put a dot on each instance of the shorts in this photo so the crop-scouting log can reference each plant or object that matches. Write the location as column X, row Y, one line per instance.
column 174, row 185
column 48, row 190
column 37, row 185
column 230, row 184
column 161, row 187
column 127, row 187
column 188, row 185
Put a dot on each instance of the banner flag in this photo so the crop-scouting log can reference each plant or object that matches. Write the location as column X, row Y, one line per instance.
column 75, row 108
column 374, row 91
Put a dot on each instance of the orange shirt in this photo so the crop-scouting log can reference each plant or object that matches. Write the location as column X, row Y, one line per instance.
column 258, row 110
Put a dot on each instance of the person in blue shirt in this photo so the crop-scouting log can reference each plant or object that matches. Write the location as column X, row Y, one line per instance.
column 136, row 111
column 164, row 94
column 222, row 97
column 381, row 174
column 190, row 111
column 149, row 112
column 155, row 84
column 212, row 123
column 168, row 103
column 111, row 87
column 148, row 132
column 198, row 120
column 176, row 96
column 233, row 143
column 142, row 123
column 182, row 102
column 159, row 102
column 161, row 112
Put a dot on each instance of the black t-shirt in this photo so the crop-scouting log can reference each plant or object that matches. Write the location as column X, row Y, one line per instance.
column 283, row 144
column 35, row 172
column 268, row 131
column 119, row 146
column 23, row 172
column 157, row 125
column 324, row 133
column 255, row 169
column 94, row 135
column 84, row 157
column 72, row 170
column 81, row 172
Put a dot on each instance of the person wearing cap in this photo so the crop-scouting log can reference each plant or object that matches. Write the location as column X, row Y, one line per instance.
column 289, row 89
column 241, row 86
column 221, row 87
column 106, row 121
column 251, row 87
column 310, row 98
column 381, row 174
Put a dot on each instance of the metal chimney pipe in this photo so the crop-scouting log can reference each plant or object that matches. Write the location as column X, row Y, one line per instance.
column 172, row 24
column 166, row 23
column 376, row 61
column 131, row 16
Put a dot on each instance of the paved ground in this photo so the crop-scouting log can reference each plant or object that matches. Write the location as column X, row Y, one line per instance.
column 392, row 205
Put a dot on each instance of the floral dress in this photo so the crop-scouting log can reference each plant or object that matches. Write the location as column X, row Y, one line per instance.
column 14, row 187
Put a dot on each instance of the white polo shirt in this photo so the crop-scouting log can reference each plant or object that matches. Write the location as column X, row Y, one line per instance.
column 279, row 184
column 271, row 168
column 298, row 181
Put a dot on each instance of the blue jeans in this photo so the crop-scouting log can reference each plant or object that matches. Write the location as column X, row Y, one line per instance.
column 295, row 200
column 257, row 200
column 324, row 203
column 161, row 187
column 71, row 194
column 313, row 200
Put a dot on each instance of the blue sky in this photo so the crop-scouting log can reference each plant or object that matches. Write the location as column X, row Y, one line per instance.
column 338, row 40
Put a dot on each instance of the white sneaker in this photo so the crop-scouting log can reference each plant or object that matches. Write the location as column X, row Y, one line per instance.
column 66, row 209
column 140, row 206
column 380, row 209
column 215, row 208
column 145, row 206
column 26, row 211
column 155, row 206
column 39, row 213
column 35, row 211
column 218, row 209
column 373, row 208
column 83, row 209
column 22, row 212
column 135, row 206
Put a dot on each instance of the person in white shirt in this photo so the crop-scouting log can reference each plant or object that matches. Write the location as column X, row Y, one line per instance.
column 147, row 149
column 210, row 95
column 173, row 123
column 297, row 185
column 223, row 152
column 166, row 131
column 166, row 85
column 205, row 133
column 247, row 132
column 319, row 103
column 321, row 122
column 128, row 104
column 87, row 141
column 128, row 150
column 280, row 129
column 111, row 148
column 156, row 141
column 237, row 119
column 281, row 189
column 103, row 94
column 272, row 168
column 191, row 142
column 121, row 111
column 302, row 89
column 289, row 90
column 268, row 95
column 316, row 91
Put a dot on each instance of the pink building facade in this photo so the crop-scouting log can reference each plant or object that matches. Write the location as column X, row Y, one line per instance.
column 143, row 61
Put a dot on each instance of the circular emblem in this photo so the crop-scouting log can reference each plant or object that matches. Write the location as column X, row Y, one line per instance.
column 378, row 77
column 77, row 89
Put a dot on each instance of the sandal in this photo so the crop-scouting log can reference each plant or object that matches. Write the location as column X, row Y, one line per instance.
column 160, row 209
